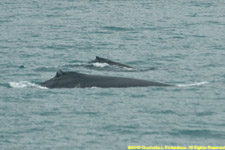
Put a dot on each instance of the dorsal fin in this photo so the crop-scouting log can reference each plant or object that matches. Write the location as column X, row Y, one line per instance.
column 59, row 73
column 101, row 59
column 98, row 58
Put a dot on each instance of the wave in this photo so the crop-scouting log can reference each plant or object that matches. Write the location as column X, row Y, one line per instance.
column 77, row 64
column 193, row 84
column 25, row 84
column 114, row 28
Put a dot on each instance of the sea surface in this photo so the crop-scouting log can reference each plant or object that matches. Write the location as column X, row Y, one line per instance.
column 180, row 42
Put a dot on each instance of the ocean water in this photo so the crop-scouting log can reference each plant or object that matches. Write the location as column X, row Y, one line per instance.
column 176, row 42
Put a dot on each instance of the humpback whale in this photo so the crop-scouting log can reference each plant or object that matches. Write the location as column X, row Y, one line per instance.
column 110, row 62
column 74, row 79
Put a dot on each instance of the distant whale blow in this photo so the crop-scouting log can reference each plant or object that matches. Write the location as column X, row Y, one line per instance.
column 75, row 79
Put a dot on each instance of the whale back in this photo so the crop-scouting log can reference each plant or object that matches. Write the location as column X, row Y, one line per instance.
column 74, row 79
column 63, row 80
column 110, row 62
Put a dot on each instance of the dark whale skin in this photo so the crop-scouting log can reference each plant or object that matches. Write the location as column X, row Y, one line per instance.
column 74, row 79
column 110, row 62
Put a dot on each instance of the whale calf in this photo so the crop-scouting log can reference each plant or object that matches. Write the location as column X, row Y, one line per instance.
column 110, row 62
column 74, row 79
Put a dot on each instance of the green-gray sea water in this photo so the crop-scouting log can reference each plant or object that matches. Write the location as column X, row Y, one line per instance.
column 183, row 41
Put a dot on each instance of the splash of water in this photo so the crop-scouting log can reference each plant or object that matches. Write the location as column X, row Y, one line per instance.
column 102, row 65
column 193, row 84
column 25, row 84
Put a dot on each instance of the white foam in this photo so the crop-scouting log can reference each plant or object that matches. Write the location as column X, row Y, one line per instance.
column 126, row 68
column 72, row 64
column 193, row 84
column 25, row 84
column 97, row 64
